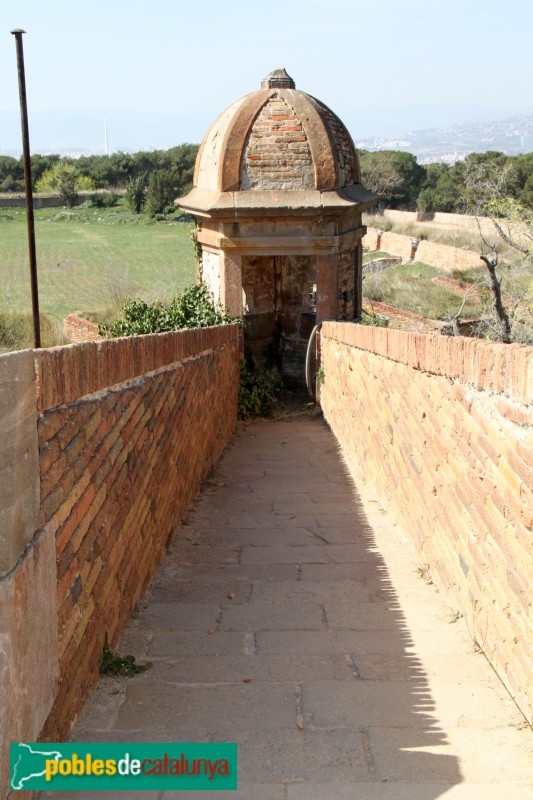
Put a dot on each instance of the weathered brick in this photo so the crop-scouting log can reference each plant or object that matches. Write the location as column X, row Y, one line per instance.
column 393, row 399
column 128, row 463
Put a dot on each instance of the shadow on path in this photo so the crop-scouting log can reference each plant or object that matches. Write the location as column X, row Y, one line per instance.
column 276, row 623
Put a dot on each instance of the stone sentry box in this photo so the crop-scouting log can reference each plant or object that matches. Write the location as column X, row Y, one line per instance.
column 278, row 200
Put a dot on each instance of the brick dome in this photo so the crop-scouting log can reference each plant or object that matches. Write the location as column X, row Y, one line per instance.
column 276, row 139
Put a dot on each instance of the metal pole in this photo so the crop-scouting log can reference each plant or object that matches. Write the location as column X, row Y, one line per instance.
column 17, row 33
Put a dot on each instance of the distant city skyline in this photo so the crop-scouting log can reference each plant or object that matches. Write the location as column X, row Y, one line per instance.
column 162, row 75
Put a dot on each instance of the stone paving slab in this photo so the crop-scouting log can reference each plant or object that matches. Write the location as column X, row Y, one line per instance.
column 289, row 616
column 408, row 791
column 300, row 755
column 236, row 668
column 284, row 555
column 248, row 791
column 397, row 758
column 155, row 707
column 330, row 591
column 260, row 537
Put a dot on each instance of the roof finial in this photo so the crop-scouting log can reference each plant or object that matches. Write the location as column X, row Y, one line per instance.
column 278, row 79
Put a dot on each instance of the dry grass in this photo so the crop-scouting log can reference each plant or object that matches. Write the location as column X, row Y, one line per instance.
column 409, row 286
column 16, row 331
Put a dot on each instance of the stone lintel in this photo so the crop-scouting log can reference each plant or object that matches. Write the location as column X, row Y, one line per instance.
column 265, row 204
column 305, row 245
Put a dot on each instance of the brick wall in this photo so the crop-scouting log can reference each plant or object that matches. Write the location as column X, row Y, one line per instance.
column 443, row 429
column 124, row 444
column 124, row 432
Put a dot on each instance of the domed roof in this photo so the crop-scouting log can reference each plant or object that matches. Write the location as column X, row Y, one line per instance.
column 277, row 149
column 277, row 138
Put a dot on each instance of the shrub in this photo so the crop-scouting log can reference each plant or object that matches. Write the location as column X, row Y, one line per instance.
column 258, row 390
column 193, row 308
column 136, row 194
column 64, row 178
column 103, row 200
column 67, row 189
column 369, row 317
column 161, row 191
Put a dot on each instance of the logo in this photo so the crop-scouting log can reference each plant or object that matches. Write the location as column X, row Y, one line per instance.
column 121, row 766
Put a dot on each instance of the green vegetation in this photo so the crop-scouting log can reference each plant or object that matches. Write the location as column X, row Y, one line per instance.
column 135, row 194
column 93, row 259
column 375, row 255
column 409, row 286
column 102, row 172
column 163, row 188
column 65, row 179
column 369, row 317
column 400, row 182
column 259, row 390
column 394, row 176
column 117, row 666
column 103, row 200
column 193, row 308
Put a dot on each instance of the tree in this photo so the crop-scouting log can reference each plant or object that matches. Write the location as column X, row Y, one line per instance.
column 64, row 178
column 442, row 189
column 507, row 243
column 394, row 176
column 183, row 158
column 162, row 191
column 380, row 176
column 67, row 188
column 11, row 174
column 136, row 194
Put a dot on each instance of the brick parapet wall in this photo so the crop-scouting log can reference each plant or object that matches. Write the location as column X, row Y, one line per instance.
column 442, row 256
column 443, row 429
column 66, row 373
column 125, row 430
column 125, row 441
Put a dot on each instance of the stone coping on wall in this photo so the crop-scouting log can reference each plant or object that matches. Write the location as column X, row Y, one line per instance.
column 63, row 376
column 503, row 369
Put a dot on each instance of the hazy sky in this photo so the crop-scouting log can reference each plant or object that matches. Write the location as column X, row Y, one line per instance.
column 195, row 58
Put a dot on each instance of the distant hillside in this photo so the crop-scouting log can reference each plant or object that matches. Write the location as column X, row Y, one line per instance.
column 451, row 143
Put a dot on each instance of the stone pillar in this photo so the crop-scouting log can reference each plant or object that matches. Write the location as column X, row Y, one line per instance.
column 231, row 284
column 326, row 287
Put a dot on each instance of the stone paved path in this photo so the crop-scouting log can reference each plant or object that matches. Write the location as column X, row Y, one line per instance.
column 289, row 617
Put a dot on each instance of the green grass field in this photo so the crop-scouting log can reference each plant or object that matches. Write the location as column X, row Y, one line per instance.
column 89, row 259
